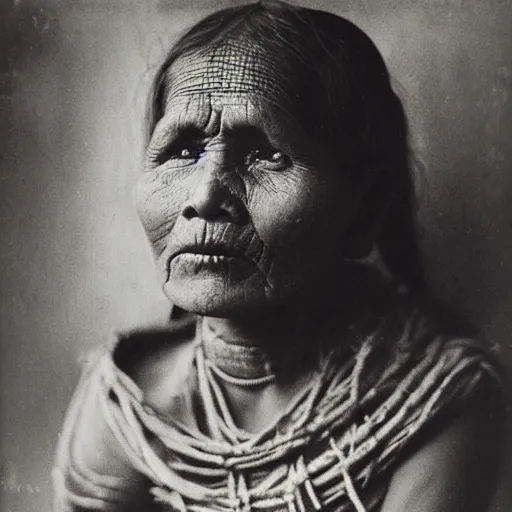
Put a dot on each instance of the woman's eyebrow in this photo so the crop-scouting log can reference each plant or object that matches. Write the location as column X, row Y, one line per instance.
column 184, row 118
column 174, row 131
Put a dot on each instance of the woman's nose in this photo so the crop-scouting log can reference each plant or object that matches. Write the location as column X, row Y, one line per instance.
column 213, row 201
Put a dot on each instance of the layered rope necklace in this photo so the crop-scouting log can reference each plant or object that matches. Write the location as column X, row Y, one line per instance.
column 330, row 449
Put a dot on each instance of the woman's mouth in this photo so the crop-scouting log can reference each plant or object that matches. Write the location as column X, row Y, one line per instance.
column 229, row 254
column 203, row 258
column 195, row 263
column 219, row 250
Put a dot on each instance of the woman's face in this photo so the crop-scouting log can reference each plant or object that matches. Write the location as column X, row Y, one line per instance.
column 243, row 208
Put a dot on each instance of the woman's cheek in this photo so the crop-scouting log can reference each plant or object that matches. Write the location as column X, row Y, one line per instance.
column 158, row 205
column 283, row 208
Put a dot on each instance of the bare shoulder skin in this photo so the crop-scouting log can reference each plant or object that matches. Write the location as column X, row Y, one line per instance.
column 89, row 452
column 458, row 467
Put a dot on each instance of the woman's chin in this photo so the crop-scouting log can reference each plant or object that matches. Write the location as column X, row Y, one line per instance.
column 212, row 296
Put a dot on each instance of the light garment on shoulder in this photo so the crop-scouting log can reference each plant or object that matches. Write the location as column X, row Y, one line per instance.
column 333, row 448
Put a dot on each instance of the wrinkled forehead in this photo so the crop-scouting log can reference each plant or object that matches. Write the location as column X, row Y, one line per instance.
column 234, row 70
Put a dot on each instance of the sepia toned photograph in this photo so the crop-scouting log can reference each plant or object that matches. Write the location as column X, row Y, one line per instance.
column 256, row 256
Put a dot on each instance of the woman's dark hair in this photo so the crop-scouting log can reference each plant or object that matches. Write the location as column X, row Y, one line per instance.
column 342, row 69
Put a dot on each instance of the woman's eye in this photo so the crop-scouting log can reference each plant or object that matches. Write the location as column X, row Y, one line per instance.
column 189, row 152
column 182, row 152
column 269, row 156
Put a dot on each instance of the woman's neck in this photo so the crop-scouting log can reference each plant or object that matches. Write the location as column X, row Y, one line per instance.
column 292, row 336
column 260, row 345
column 259, row 329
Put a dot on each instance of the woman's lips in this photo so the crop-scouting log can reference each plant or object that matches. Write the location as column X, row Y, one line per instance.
column 208, row 254
column 194, row 263
column 220, row 250
column 210, row 259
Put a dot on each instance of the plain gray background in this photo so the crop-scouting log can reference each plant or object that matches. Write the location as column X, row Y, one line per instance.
column 75, row 265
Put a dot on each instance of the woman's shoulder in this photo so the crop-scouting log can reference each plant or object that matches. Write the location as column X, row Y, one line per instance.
column 133, row 364
column 133, row 367
column 412, row 370
column 424, row 394
column 457, row 416
column 453, row 355
column 85, row 477
column 455, row 465
column 157, row 361
column 142, row 351
column 415, row 325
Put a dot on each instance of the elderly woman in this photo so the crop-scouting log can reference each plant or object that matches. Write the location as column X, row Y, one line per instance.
column 304, row 367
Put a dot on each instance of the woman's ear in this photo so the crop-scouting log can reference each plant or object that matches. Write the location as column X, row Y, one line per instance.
column 376, row 195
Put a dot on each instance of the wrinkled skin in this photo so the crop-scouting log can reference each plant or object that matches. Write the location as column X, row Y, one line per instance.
column 230, row 171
